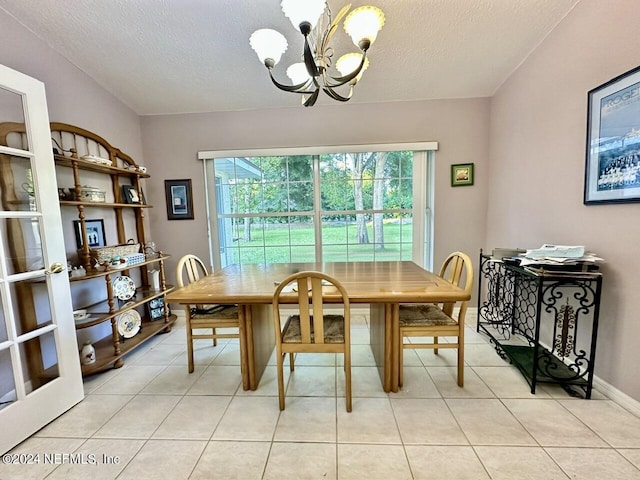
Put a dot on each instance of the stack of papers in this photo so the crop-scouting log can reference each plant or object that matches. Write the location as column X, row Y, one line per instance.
column 558, row 255
column 556, row 251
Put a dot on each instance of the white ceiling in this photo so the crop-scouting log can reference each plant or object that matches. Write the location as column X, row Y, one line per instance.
column 179, row 56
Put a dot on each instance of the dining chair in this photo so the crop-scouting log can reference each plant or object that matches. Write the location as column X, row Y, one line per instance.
column 439, row 320
column 204, row 316
column 312, row 329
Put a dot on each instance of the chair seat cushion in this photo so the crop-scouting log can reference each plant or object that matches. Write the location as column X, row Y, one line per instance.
column 333, row 329
column 424, row 315
column 215, row 311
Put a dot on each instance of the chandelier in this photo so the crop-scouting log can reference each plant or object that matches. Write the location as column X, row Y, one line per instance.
column 314, row 20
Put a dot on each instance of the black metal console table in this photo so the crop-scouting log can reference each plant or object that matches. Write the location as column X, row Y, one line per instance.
column 545, row 322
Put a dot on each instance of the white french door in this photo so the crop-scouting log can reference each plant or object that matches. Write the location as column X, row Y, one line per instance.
column 39, row 365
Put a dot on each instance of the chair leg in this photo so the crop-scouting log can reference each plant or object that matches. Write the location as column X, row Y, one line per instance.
column 291, row 360
column 401, row 363
column 280, row 361
column 435, row 342
column 460, row 365
column 347, row 381
column 189, row 347
column 215, row 340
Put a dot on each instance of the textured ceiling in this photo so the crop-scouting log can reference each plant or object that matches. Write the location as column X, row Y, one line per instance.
column 178, row 56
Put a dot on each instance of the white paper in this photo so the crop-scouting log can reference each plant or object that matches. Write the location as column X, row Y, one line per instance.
column 556, row 251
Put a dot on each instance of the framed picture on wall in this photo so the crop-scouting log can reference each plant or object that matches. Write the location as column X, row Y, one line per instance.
column 95, row 233
column 179, row 199
column 612, row 170
column 461, row 174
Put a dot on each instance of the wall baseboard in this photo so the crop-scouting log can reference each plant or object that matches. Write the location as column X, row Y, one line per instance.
column 618, row 396
column 608, row 390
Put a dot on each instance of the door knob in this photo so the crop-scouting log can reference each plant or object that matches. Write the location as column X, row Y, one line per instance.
column 55, row 267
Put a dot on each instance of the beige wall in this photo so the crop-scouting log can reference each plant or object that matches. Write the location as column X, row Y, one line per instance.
column 72, row 96
column 537, row 145
column 171, row 144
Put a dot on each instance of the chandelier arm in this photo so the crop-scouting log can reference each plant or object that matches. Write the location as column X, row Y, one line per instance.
column 312, row 99
column 336, row 96
column 309, row 61
column 339, row 81
column 299, row 88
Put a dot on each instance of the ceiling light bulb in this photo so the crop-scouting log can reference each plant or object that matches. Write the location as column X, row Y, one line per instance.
column 349, row 62
column 298, row 73
column 268, row 43
column 300, row 11
column 363, row 25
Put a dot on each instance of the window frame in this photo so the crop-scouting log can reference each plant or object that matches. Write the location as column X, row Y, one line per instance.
column 423, row 190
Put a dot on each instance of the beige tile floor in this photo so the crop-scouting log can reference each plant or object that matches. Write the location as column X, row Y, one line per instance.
column 152, row 420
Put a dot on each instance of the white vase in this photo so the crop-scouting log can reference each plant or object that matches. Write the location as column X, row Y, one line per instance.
column 155, row 279
column 87, row 354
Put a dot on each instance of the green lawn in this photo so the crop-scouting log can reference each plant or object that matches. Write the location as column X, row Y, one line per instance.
column 277, row 244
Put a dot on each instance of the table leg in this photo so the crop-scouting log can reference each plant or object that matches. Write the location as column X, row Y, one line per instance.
column 260, row 340
column 246, row 345
column 378, row 340
column 392, row 323
column 384, row 338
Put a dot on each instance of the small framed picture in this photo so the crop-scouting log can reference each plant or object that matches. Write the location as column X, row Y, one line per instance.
column 156, row 308
column 612, row 170
column 95, row 233
column 130, row 194
column 461, row 174
column 179, row 199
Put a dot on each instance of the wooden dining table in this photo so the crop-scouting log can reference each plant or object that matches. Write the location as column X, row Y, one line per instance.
column 382, row 285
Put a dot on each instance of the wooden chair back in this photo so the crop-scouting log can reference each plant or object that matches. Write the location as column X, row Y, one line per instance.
column 191, row 267
column 308, row 286
column 458, row 270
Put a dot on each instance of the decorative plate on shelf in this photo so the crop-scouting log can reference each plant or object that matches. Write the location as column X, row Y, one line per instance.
column 124, row 288
column 128, row 323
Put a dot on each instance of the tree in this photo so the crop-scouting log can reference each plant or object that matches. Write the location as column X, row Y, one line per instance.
column 359, row 163
column 288, row 184
column 247, row 221
column 337, row 184
column 378, row 198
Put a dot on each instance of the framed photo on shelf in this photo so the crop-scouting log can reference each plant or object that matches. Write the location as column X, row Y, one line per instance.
column 95, row 233
column 612, row 170
column 156, row 308
column 461, row 174
column 130, row 194
column 179, row 199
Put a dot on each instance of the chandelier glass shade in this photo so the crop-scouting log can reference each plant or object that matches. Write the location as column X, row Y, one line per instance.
column 314, row 20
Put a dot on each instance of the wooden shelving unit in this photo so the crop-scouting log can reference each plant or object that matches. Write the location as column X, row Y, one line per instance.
column 82, row 159
column 75, row 143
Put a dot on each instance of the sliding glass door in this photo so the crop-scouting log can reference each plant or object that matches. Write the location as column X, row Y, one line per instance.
column 296, row 207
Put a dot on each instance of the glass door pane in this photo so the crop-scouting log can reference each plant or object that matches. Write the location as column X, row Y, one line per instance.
column 11, row 108
column 37, row 335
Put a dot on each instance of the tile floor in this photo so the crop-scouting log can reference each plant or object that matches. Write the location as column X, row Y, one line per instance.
column 152, row 420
